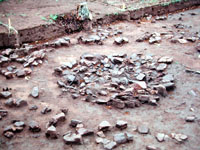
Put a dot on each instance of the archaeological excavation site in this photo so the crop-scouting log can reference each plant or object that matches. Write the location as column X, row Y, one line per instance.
column 100, row 75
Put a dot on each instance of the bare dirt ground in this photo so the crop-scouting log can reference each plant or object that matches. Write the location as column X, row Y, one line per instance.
column 167, row 118
column 30, row 13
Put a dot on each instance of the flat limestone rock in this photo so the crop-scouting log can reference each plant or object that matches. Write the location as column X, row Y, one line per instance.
column 104, row 126
column 35, row 92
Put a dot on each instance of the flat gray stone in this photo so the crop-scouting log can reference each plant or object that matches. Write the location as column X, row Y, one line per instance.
column 104, row 126
column 35, row 92
column 143, row 129
column 5, row 94
column 121, row 124
column 120, row 138
column 51, row 133
column 190, row 118
column 140, row 77
column 72, row 138
column 111, row 145
column 161, row 67
column 75, row 122
column 34, row 126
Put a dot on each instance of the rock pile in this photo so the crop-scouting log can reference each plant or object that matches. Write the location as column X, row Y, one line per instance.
column 117, row 80
column 15, row 127
column 99, row 35
column 26, row 56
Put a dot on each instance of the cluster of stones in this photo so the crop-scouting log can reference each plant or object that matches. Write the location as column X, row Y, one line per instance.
column 118, row 138
column 21, row 56
column 117, row 80
column 178, row 37
column 99, row 35
column 152, row 38
column 11, row 102
column 77, row 135
column 28, row 56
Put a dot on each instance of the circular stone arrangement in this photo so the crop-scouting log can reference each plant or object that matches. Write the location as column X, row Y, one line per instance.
column 116, row 80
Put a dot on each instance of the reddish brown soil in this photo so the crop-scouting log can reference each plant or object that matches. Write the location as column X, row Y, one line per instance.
column 168, row 117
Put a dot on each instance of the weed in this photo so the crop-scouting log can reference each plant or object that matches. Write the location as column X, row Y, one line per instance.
column 43, row 18
column 50, row 19
column 23, row 15
column 53, row 17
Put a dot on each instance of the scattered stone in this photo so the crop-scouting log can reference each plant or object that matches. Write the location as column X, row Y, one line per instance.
column 103, row 93
column 118, row 103
column 117, row 60
column 20, row 103
column 15, row 102
column 58, row 118
column 51, row 133
column 190, row 118
column 19, row 124
column 161, row 18
column 7, row 52
column 165, row 59
column 198, row 47
column 110, row 145
column 64, row 110
column 70, row 138
column 75, row 122
column 121, row 124
column 84, row 131
column 121, row 40
column 20, row 73
column 10, row 102
column 3, row 113
column 33, row 107
column 140, row 77
column 9, row 75
column 129, row 137
column 46, row 110
column 161, row 90
column 161, row 137
column 145, row 37
column 143, row 129
column 182, row 41
column 155, row 38
column 152, row 147
column 120, row 138
column 101, row 134
column 90, row 39
column 133, row 103
column 179, row 137
column 168, row 78
column 102, row 101
column 104, row 126
column 144, row 98
column 23, row 72
column 9, row 134
column 99, row 140
column 34, row 126
column 153, row 102
column 191, row 39
column 169, row 86
column 5, row 94
column 35, row 92
column 161, row 67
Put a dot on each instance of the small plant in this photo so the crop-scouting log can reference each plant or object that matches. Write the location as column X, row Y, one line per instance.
column 50, row 19
column 53, row 17
column 9, row 27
